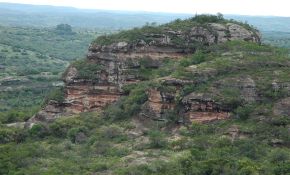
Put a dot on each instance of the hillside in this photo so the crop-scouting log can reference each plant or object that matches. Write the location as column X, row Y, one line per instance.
column 195, row 96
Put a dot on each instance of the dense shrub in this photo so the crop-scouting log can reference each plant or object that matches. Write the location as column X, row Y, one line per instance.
column 14, row 116
column 231, row 98
column 111, row 132
column 130, row 105
column 87, row 70
column 63, row 29
column 243, row 112
column 157, row 139
column 77, row 135
column 60, row 127
column 38, row 131
column 12, row 135
column 56, row 94
column 197, row 58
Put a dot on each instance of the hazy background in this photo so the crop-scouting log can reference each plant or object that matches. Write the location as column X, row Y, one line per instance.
column 242, row 7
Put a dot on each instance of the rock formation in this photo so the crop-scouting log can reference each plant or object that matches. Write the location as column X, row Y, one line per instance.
column 120, row 64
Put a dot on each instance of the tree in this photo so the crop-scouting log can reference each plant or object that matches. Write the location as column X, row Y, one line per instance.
column 63, row 29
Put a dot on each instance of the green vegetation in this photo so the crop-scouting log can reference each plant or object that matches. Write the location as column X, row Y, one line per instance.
column 129, row 105
column 147, row 32
column 87, row 70
column 119, row 141
column 56, row 94
column 277, row 38
column 129, row 35
column 90, row 143
column 47, row 42
column 19, row 105
column 64, row 29
column 32, row 60
column 253, row 141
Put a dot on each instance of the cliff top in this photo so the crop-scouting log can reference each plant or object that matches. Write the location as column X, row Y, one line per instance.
column 178, row 30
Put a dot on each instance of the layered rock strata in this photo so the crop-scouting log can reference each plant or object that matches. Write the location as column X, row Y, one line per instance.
column 120, row 64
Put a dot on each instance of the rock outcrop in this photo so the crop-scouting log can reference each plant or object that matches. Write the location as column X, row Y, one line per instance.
column 202, row 108
column 282, row 107
column 158, row 104
column 120, row 64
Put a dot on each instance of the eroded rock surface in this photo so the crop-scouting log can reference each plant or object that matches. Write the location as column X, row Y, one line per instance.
column 158, row 104
column 119, row 64
column 201, row 108
column 282, row 107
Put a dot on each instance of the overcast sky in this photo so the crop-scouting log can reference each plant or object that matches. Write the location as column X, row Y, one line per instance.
column 244, row 7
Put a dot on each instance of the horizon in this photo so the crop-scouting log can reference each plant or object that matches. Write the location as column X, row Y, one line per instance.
column 183, row 7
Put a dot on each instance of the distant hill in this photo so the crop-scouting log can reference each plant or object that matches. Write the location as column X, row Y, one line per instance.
column 265, row 23
column 47, row 16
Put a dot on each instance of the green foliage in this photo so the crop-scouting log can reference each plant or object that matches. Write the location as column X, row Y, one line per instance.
column 282, row 168
column 12, row 135
column 14, row 116
column 132, row 35
column 61, row 127
column 74, row 133
column 20, row 105
column 157, row 139
column 130, row 105
column 63, row 29
column 197, row 58
column 87, row 70
column 279, row 155
column 33, row 59
column 243, row 112
column 38, row 131
column 208, row 18
column 56, row 94
column 231, row 97
column 196, row 20
column 280, row 120
column 111, row 132
column 199, row 129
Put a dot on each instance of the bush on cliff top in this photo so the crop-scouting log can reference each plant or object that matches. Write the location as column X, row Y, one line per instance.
column 56, row 94
column 87, row 70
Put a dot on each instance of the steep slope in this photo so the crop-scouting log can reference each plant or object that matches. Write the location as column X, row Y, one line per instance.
column 118, row 60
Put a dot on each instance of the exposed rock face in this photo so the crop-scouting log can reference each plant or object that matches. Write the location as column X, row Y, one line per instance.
column 51, row 111
column 282, row 108
column 238, row 32
column 202, row 108
column 158, row 104
column 245, row 85
column 219, row 33
column 121, row 63
column 196, row 107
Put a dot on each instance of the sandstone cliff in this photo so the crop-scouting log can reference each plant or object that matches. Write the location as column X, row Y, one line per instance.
column 122, row 59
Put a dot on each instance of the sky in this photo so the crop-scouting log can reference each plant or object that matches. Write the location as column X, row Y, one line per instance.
column 242, row 7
